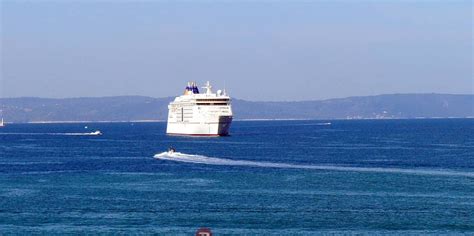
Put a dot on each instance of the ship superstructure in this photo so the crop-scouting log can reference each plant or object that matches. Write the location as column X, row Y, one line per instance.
column 200, row 114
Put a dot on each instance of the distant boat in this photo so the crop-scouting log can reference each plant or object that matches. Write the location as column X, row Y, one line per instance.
column 96, row 133
column 2, row 124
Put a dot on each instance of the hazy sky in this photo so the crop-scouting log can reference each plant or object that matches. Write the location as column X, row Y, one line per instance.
column 260, row 50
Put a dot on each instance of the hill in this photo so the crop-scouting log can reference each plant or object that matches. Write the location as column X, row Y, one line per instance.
column 133, row 108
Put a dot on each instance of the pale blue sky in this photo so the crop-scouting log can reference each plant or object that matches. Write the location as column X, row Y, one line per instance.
column 261, row 50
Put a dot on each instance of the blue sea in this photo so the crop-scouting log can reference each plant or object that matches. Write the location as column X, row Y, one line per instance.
column 268, row 177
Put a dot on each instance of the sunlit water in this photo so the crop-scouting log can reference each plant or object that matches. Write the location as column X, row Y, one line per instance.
column 269, row 177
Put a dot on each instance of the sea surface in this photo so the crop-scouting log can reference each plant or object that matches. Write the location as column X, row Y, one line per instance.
column 268, row 177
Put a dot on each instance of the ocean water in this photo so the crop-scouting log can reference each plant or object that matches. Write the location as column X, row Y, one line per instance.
column 268, row 177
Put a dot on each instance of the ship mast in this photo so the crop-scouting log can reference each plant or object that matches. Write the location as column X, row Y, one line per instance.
column 208, row 87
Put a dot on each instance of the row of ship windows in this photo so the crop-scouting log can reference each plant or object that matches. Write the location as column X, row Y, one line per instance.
column 203, row 103
column 212, row 100
column 212, row 104
column 190, row 109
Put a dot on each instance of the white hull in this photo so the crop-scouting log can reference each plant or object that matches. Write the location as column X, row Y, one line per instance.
column 220, row 128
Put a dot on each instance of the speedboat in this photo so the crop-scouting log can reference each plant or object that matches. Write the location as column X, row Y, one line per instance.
column 97, row 132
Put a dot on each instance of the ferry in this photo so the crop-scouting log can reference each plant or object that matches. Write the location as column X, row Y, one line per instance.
column 200, row 114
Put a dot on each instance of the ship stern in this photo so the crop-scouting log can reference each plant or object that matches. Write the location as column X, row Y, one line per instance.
column 224, row 125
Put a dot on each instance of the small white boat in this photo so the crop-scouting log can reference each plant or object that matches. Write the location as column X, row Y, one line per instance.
column 97, row 132
column 2, row 124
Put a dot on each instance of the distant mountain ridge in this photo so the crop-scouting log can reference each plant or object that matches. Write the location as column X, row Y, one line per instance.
column 140, row 108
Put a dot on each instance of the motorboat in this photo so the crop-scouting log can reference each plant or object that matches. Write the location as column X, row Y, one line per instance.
column 97, row 132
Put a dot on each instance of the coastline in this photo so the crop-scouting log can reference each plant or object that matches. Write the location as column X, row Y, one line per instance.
column 238, row 120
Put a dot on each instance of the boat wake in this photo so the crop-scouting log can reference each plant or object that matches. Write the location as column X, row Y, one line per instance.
column 96, row 133
column 199, row 159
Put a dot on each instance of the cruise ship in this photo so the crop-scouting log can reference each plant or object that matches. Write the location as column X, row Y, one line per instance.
column 200, row 114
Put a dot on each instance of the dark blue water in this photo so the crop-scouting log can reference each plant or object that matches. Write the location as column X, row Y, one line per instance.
column 269, row 177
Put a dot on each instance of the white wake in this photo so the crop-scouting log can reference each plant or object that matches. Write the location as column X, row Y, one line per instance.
column 199, row 159
column 66, row 134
